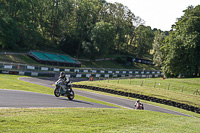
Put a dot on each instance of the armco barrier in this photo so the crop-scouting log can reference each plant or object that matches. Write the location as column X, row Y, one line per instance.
column 144, row 97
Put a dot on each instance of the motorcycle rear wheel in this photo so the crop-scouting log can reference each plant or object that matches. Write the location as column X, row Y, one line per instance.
column 71, row 95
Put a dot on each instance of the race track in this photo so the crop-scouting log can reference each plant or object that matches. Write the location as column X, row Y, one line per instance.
column 21, row 99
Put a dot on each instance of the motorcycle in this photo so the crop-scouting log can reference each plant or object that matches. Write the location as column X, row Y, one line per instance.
column 63, row 90
column 139, row 106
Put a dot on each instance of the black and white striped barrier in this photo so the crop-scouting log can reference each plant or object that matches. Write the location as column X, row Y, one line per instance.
column 20, row 67
column 110, row 76
column 42, row 74
column 71, row 75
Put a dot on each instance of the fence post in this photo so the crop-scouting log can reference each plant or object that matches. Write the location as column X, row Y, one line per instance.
column 168, row 86
column 197, row 92
column 155, row 85
column 141, row 83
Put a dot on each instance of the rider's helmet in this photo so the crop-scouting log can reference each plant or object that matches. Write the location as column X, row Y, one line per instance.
column 62, row 74
column 138, row 100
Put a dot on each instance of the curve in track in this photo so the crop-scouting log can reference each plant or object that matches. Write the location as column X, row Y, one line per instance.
column 110, row 99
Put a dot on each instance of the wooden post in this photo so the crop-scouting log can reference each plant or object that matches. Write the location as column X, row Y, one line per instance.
column 197, row 92
column 168, row 86
column 155, row 85
column 141, row 83
column 118, row 80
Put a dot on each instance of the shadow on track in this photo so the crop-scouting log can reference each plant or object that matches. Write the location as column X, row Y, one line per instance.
column 76, row 101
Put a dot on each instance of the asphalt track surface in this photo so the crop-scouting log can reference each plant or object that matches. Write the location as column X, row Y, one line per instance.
column 23, row 99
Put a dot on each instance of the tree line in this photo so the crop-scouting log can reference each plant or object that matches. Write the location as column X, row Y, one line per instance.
column 97, row 28
column 179, row 52
column 79, row 27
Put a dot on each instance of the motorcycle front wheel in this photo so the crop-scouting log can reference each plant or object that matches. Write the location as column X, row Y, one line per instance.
column 71, row 95
column 56, row 92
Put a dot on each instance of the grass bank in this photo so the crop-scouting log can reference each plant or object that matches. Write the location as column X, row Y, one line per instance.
column 179, row 90
column 75, row 120
column 25, row 59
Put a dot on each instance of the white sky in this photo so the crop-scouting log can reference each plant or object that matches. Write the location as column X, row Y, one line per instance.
column 160, row 14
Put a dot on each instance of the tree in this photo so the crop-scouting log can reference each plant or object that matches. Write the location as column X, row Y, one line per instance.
column 144, row 39
column 102, row 35
column 122, row 19
column 71, row 25
column 182, row 48
column 101, row 40
column 85, row 18
column 9, row 37
column 158, row 43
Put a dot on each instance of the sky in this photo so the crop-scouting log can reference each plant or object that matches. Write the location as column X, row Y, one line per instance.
column 160, row 14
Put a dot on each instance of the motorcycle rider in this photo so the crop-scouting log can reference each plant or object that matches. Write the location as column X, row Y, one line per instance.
column 64, row 87
column 65, row 79
column 138, row 104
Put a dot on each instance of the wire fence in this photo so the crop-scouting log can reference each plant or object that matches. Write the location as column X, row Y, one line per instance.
column 157, row 83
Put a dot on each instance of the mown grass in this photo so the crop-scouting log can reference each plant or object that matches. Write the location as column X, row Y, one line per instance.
column 160, row 90
column 75, row 120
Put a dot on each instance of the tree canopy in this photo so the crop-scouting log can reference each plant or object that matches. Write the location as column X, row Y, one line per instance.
column 97, row 28
column 78, row 27
column 179, row 52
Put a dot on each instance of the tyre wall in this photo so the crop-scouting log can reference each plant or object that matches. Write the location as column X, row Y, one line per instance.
column 143, row 97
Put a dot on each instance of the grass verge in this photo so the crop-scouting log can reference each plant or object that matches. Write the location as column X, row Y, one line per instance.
column 75, row 120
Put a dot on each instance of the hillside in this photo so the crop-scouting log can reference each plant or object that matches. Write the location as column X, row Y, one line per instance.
column 24, row 59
